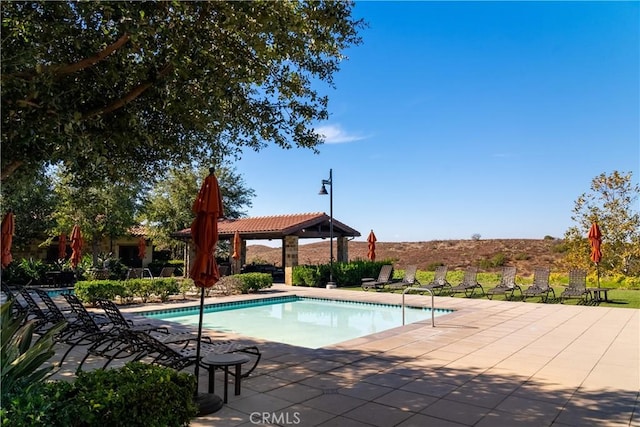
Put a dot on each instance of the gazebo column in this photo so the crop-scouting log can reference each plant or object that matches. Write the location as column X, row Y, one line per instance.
column 343, row 249
column 289, row 257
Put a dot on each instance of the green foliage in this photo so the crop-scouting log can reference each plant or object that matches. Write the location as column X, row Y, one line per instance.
column 137, row 394
column 116, row 91
column 497, row 260
column 20, row 359
column 128, row 290
column 612, row 202
column 434, row 265
column 305, row 275
column 253, row 282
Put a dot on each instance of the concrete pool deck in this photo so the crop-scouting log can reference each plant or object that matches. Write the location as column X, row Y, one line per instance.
column 490, row 363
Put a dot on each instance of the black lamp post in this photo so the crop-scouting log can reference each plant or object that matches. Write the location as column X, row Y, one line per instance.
column 323, row 192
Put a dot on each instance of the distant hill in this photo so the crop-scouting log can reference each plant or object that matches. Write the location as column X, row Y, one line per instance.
column 525, row 254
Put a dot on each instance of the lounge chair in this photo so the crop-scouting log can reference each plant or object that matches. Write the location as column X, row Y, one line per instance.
column 507, row 285
column 409, row 279
column 166, row 272
column 145, row 346
column 439, row 282
column 119, row 321
column 577, row 287
column 540, row 286
column 44, row 319
column 469, row 283
column 17, row 308
column 384, row 277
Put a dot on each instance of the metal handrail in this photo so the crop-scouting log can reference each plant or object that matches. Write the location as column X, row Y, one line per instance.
column 433, row 316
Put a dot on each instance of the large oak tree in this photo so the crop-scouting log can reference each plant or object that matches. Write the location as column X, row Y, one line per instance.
column 111, row 90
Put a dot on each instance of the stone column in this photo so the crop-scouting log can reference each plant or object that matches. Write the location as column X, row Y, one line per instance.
column 290, row 257
column 343, row 249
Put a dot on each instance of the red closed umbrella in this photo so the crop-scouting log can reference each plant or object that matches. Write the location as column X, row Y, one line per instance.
column 76, row 246
column 236, row 246
column 371, row 253
column 595, row 241
column 204, row 232
column 7, row 231
column 62, row 246
column 142, row 248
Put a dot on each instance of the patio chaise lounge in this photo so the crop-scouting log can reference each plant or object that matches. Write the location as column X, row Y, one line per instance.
column 540, row 286
column 119, row 321
column 384, row 277
column 469, row 283
column 408, row 279
column 439, row 281
column 577, row 287
column 507, row 285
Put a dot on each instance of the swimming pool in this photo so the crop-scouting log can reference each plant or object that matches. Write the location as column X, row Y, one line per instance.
column 304, row 322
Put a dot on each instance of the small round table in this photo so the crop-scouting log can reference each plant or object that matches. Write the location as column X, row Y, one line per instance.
column 214, row 361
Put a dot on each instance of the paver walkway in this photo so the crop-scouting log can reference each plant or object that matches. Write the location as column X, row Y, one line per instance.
column 491, row 363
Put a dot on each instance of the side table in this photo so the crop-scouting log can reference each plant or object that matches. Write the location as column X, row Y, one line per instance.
column 213, row 361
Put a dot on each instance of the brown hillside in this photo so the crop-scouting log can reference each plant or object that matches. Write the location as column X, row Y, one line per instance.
column 525, row 254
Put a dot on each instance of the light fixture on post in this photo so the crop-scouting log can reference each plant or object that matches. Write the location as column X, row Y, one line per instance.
column 323, row 192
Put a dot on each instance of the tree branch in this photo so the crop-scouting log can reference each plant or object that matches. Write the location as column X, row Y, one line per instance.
column 10, row 169
column 131, row 95
column 66, row 69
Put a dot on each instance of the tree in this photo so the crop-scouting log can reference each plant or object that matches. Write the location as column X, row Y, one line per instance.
column 612, row 203
column 32, row 200
column 118, row 90
column 106, row 210
column 168, row 205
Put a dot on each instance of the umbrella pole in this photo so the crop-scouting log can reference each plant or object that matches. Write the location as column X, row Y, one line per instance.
column 208, row 403
column 598, row 273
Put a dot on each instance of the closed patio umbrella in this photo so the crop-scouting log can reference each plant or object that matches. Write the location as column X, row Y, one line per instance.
column 204, row 232
column 62, row 246
column 76, row 246
column 371, row 253
column 142, row 248
column 237, row 250
column 8, row 228
column 595, row 241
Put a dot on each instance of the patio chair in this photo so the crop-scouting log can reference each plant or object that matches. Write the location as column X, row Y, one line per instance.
column 439, row 281
column 119, row 321
column 44, row 319
column 17, row 308
column 384, row 277
column 469, row 283
column 507, row 285
column 139, row 273
column 166, row 272
column 540, row 286
column 577, row 287
column 409, row 279
column 143, row 346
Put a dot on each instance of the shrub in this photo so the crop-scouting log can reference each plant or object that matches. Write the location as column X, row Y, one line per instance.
column 305, row 275
column 498, row 260
column 254, row 281
column 90, row 291
column 137, row 394
column 434, row 265
column 163, row 288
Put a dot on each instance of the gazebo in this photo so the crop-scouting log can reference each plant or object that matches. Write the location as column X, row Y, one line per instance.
column 288, row 228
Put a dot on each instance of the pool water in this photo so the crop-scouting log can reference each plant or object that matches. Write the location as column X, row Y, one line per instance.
column 304, row 322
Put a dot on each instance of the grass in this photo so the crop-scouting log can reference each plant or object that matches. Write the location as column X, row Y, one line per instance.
column 622, row 298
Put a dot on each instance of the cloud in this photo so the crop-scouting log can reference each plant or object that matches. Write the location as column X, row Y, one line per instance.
column 334, row 134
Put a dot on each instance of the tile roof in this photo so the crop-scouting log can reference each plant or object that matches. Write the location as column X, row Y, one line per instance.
column 306, row 225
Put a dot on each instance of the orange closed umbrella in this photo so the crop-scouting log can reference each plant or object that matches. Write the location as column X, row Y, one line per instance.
column 62, row 246
column 595, row 240
column 142, row 248
column 204, row 232
column 7, row 231
column 236, row 246
column 371, row 253
column 76, row 246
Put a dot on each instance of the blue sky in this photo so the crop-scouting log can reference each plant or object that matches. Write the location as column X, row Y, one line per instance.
column 462, row 118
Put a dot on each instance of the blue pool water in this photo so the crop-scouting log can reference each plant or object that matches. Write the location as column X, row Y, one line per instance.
column 304, row 322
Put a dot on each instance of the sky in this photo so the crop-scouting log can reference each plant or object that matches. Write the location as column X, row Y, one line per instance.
column 455, row 119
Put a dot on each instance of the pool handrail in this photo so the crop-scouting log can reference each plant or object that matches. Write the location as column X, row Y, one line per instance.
column 416, row 288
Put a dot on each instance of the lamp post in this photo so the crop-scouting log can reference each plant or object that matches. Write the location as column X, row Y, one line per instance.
column 323, row 192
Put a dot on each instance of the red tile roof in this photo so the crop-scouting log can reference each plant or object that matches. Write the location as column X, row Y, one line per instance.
column 307, row 225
